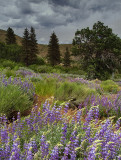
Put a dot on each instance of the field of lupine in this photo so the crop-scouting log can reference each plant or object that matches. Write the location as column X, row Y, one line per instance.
column 54, row 130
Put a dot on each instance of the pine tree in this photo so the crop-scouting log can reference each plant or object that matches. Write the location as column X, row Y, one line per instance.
column 26, row 47
column 10, row 36
column 67, row 58
column 53, row 50
column 33, row 46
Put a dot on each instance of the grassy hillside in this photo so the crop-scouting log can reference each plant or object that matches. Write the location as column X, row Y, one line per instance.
column 42, row 47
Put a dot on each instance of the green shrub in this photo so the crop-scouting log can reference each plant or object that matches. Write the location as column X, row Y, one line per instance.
column 8, row 72
column 45, row 87
column 34, row 67
column 69, row 90
column 56, row 69
column 44, row 69
column 117, row 76
column 109, row 86
column 9, row 64
column 40, row 61
column 13, row 99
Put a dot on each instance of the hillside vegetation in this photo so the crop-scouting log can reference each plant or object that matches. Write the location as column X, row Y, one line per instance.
column 43, row 49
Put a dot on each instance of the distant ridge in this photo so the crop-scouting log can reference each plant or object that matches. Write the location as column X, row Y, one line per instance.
column 43, row 49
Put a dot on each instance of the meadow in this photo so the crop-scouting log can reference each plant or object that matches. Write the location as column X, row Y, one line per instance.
column 51, row 115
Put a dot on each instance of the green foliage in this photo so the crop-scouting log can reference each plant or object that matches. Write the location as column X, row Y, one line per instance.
column 13, row 52
column 26, row 47
column 67, row 60
column 99, row 49
column 40, row 61
column 57, row 69
column 33, row 46
column 110, row 86
column 34, row 67
column 9, row 73
column 44, row 69
column 10, row 36
column 30, row 47
column 8, row 64
column 69, row 90
column 10, row 52
column 13, row 99
column 53, row 50
column 45, row 87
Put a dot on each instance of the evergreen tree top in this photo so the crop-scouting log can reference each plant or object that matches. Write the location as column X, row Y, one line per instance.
column 10, row 36
column 53, row 50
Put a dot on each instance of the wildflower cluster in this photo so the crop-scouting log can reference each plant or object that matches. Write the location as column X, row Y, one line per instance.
column 50, row 134
column 25, row 85
column 107, row 106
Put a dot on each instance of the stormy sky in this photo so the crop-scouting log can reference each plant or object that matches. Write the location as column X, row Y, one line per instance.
column 63, row 17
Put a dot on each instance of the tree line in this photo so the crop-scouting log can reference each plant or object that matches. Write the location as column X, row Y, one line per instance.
column 98, row 49
column 27, row 53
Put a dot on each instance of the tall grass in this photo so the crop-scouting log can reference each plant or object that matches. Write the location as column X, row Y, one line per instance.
column 69, row 90
column 13, row 99
column 45, row 87
column 110, row 86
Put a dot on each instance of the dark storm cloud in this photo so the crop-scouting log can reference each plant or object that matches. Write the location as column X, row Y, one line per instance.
column 24, row 7
column 71, row 3
column 107, row 5
column 63, row 16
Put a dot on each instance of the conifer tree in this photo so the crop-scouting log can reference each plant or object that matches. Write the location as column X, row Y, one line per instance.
column 26, row 47
column 67, row 58
column 33, row 46
column 53, row 50
column 10, row 36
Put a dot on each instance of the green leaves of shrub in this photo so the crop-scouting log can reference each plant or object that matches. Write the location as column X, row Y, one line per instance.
column 45, row 87
column 110, row 86
column 12, row 99
column 68, row 90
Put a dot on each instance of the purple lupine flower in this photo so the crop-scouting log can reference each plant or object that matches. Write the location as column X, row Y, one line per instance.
column 15, row 152
column 78, row 116
column 110, row 150
column 74, row 143
column 66, row 108
column 93, row 113
column 88, row 132
column 118, row 123
column 66, row 152
column 29, row 155
column 44, row 146
column 92, row 152
column 103, row 128
column 34, row 145
column 64, row 131
column 73, row 155
column 4, row 134
column 6, row 152
column 119, row 157
column 55, row 154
